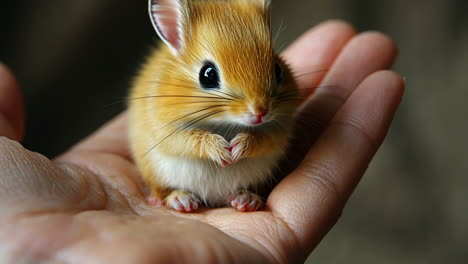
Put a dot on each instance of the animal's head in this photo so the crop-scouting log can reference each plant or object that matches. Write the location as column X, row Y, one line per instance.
column 223, row 56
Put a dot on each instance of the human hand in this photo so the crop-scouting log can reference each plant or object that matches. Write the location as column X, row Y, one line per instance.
column 88, row 205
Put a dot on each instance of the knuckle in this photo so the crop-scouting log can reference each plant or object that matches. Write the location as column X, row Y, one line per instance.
column 9, row 149
column 321, row 107
column 323, row 175
column 8, row 143
column 339, row 24
column 379, row 38
column 360, row 128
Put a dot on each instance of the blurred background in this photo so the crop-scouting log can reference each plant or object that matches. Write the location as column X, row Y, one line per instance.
column 75, row 59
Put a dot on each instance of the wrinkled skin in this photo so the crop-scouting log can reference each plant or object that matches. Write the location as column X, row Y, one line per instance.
column 88, row 205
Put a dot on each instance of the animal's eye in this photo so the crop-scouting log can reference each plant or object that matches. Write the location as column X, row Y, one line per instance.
column 278, row 73
column 209, row 77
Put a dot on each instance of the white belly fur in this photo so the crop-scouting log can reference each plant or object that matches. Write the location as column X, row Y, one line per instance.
column 209, row 181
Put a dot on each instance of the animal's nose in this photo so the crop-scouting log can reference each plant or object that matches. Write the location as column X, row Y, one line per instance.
column 261, row 112
column 258, row 115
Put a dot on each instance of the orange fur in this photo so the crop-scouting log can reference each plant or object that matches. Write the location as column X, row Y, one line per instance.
column 236, row 35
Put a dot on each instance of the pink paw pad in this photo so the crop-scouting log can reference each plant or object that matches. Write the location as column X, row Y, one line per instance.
column 246, row 202
column 154, row 201
column 225, row 163
column 184, row 203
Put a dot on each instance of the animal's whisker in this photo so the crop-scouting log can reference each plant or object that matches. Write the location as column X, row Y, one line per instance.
column 312, row 72
column 200, row 90
column 199, row 102
column 171, row 84
column 280, row 30
column 280, row 49
column 229, row 94
column 296, row 93
column 300, row 119
column 277, row 124
column 203, row 46
column 176, row 96
column 218, row 99
column 282, row 98
column 230, row 129
column 287, row 94
column 182, row 80
column 193, row 113
column 290, row 99
column 313, row 125
column 116, row 103
column 188, row 125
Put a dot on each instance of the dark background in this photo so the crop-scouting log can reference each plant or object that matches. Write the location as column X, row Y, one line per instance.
column 74, row 59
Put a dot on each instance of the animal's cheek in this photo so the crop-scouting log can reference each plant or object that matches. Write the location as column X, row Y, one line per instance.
column 282, row 111
column 237, row 110
column 278, row 107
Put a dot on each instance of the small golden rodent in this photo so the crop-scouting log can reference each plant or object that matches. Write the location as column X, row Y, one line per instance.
column 211, row 112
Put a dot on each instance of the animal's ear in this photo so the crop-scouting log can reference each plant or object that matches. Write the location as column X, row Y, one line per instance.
column 169, row 19
column 263, row 3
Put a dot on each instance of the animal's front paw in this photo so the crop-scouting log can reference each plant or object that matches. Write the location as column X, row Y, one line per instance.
column 245, row 201
column 241, row 146
column 182, row 201
column 218, row 149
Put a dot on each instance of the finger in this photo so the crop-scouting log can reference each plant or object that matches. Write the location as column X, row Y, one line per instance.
column 106, row 154
column 311, row 198
column 30, row 182
column 312, row 55
column 364, row 54
column 11, row 106
column 112, row 138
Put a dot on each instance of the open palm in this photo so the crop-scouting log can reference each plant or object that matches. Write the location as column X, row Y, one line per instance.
column 88, row 205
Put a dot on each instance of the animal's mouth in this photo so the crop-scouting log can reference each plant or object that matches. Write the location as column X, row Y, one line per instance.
column 257, row 116
column 257, row 120
column 229, row 130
